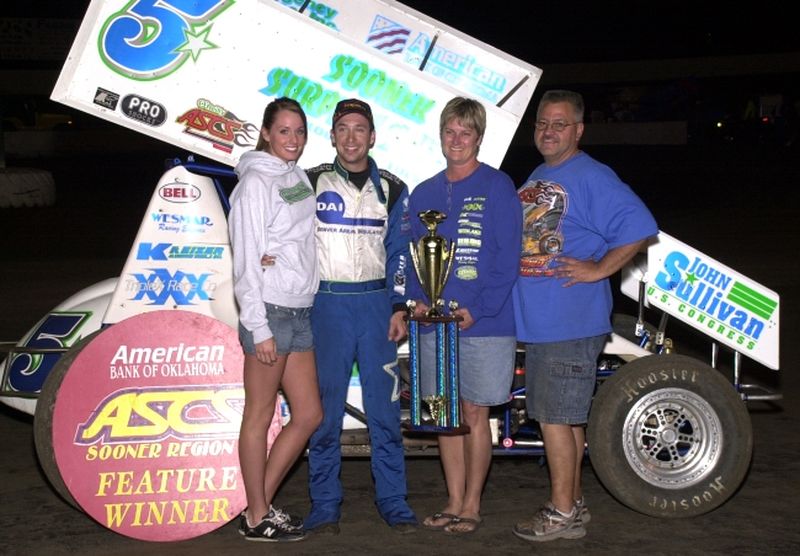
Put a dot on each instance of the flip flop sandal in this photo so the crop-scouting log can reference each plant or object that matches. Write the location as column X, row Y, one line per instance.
column 472, row 525
column 436, row 517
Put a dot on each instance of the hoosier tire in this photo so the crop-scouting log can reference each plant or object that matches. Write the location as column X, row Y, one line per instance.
column 668, row 436
column 43, row 419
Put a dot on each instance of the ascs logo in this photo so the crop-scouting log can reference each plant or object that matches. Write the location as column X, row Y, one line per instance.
column 177, row 192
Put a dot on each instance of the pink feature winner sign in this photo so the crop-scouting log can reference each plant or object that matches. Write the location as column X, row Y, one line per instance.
column 146, row 426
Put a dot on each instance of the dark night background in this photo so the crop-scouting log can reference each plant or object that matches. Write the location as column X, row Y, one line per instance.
column 728, row 74
column 580, row 31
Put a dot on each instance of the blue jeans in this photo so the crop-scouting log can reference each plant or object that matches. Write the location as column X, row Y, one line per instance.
column 485, row 368
column 291, row 328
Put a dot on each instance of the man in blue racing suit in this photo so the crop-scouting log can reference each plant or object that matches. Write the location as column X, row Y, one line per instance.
column 362, row 237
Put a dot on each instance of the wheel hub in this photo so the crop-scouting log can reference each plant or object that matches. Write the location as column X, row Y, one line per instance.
column 672, row 438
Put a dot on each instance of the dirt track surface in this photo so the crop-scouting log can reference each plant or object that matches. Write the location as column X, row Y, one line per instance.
column 50, row 253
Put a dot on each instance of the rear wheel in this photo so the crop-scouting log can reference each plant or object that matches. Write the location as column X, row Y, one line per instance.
column 669, row 436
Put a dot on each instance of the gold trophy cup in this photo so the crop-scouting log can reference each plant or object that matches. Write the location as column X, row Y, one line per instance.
column 433, row 259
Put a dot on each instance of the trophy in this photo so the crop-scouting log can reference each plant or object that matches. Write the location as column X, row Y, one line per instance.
column 433, row 260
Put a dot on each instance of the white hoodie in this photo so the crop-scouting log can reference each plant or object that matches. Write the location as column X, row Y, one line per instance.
column 272, row 212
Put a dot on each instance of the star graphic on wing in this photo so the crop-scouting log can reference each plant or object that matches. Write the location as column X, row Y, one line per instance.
column 196, row 41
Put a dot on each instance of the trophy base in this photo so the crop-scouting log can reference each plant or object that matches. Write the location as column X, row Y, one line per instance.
column 429, row 427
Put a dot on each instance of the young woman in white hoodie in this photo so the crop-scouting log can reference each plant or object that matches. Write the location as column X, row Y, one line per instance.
column 272, row 211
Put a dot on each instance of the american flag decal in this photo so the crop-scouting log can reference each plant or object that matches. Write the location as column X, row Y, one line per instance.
column 387, row 36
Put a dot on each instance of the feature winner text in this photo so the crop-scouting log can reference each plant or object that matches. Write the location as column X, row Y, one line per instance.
column 144, row 512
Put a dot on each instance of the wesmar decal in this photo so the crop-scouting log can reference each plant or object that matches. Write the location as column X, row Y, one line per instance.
column 181, row 223
column 150, row 39
column 711, row 297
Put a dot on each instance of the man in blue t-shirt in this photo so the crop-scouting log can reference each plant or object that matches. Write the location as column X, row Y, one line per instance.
column 581, row 224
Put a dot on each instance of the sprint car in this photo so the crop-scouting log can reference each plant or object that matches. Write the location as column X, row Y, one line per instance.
column 669, row 435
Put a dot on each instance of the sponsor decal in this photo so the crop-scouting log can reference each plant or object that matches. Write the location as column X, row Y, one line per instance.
column 387, row 36
column 181, row 223
column 331, row 209
column 399, row 278
column 106, row 98
column 146, row 426
column 454, row 67
column 162, row 286
column 318, row 11
column 58, row 330
column 469, row 235
column 177, row 192
column 467, row 272
column 705, row 294
column 374, row 85
column 148, row 251
column 296, row 193
column 457, row 69
column 149, row 112
column 213, row 123
column 358, row 79
column 150, row 39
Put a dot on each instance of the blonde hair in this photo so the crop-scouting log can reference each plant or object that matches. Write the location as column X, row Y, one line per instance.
column 469, row 112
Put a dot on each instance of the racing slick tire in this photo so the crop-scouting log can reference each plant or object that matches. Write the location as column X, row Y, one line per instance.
column 668, row 436
column 26, row 187
column 43, row 419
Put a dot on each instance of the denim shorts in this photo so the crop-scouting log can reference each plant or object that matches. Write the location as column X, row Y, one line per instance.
column 560, row 379
column 291, row 328
column 485, row 368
